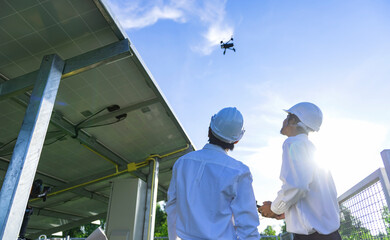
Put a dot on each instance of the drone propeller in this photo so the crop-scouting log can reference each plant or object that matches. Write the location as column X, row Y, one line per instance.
column 227, row 45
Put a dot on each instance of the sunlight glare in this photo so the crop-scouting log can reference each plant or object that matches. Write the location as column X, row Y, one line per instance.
column 349, row 148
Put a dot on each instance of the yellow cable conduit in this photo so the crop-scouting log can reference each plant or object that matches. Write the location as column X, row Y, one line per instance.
column 130, row 167
column 104, row 157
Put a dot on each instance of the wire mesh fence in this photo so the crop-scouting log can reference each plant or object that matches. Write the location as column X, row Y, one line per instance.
column 282, row 236
column 286, row 236
column 364, row 212
column 268, row 237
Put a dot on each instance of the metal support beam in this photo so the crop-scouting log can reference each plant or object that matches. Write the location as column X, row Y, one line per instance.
column 21, row 171
column 67, row 127
column 68, row 226
column 119, row 33
column 81, row 193
column 151, row 200
column 47, row 179
column 52, row 181
column 88, row 140
column 386, row 161
column 9, row 148
column 127, row 109
column 384, row 178
column 34, row 229
column 55, row 214
column 104, row 55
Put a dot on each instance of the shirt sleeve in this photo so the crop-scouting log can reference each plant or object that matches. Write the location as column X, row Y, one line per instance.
column 296, row 174
column 170, row 207
column 246, row 218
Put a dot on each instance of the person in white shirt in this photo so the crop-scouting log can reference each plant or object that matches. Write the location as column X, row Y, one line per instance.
column 308, row 197
column 210, row 195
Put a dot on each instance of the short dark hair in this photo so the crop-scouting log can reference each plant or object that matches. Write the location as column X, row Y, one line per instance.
column 214, row 140
column 293, row 117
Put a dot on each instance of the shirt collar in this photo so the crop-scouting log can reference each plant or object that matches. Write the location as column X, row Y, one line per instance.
column 214, row 147
column 301, row 136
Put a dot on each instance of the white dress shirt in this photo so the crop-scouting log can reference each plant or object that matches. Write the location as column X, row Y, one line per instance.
column 308, row 196
column 211, row 197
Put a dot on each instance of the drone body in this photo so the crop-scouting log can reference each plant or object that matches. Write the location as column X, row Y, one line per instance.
column 227, row 45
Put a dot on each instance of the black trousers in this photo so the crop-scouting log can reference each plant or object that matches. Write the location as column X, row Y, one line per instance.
column 316, row 236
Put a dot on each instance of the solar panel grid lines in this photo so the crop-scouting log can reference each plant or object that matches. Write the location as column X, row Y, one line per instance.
column 72, row 29
column 49, row 31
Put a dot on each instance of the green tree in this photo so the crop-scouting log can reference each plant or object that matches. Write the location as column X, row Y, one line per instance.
column 351, row 227
column 283, row 228
column 269, row 231
column 386, row 218
column 161, row 225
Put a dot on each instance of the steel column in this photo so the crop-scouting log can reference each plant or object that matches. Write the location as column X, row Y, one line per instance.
column 151, row 200
column 21, row 171
column 386, row 161
column 384, row 178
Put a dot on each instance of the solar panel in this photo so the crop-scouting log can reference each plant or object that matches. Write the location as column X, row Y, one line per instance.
column 100, row 146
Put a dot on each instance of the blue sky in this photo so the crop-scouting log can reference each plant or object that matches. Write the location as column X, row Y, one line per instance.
column 333, row 53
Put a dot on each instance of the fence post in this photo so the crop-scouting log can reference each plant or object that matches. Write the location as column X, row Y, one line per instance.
column 386, row 161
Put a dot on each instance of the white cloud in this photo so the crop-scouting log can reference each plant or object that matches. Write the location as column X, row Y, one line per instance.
column 209, row 13
column 212, row 14
column 153, row 16
column 216, row 32
column 139, row 14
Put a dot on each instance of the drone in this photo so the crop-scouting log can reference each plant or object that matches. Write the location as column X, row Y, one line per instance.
column 227, row 45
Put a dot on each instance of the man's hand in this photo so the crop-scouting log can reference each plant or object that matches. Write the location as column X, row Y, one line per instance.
column 266, row 211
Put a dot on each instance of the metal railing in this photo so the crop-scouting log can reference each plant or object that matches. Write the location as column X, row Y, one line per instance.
column 263, row 237
column 282, row 236
column 286, row 236
column 364, row 209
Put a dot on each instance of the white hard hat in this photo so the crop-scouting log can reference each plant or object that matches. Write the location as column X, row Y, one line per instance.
column 308, row 113
column 227, row 125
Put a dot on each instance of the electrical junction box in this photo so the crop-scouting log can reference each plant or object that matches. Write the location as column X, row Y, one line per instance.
column 126, row 209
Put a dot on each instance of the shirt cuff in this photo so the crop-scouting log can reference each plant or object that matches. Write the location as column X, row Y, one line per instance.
column 278, row 208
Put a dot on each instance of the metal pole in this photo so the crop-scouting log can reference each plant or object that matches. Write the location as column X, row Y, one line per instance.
column 385, row 179
column 386, row 160
column 21, row 170
column 151, row 200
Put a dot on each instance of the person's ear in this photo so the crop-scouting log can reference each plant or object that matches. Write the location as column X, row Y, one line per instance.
column 293, row 122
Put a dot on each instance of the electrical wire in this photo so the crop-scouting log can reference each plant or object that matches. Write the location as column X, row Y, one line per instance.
column 105, row 124
column 101, row 125
column 77, row 129
column 7, row 154
column 110, row 108
column 89, row 117
column 47, row 144
column 5, row 144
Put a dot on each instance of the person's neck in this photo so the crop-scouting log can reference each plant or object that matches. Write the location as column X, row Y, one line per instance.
column 295, row 133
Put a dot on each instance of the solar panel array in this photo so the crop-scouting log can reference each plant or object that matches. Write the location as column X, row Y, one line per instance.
column 29, row 30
